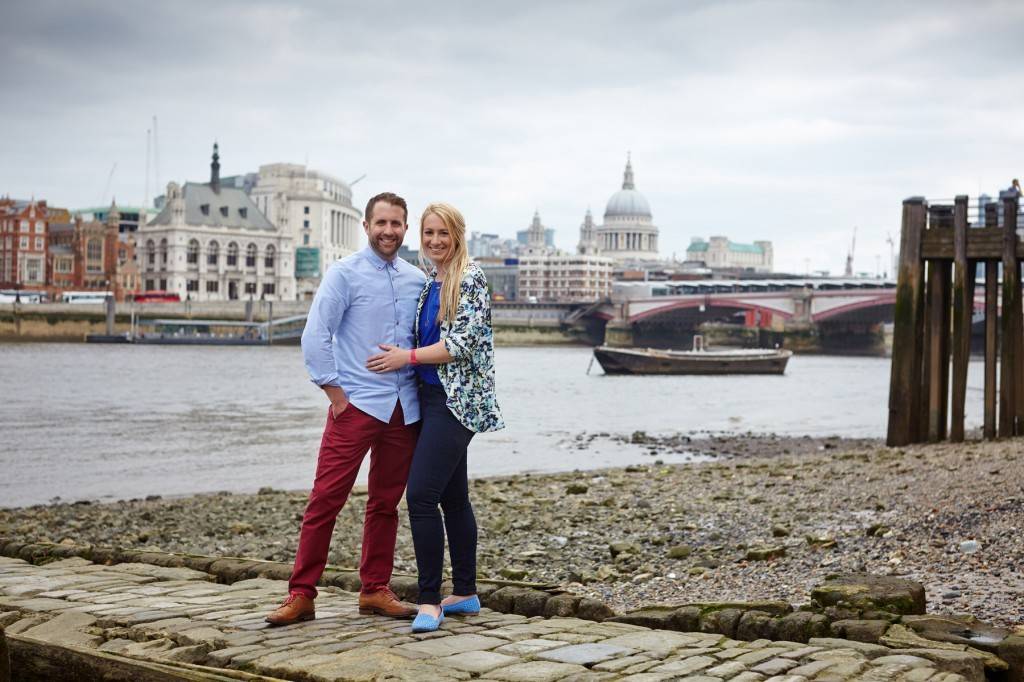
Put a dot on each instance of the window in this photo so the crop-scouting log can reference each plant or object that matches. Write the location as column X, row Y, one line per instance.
column 224, row 211
column 244, row 212
column 23, row 243
column 39, row 243
column 150, row 252
column 250, row 256
column 62, row 265
column 39, row 227
column 149, row 285
column 163, row 285
column 268, row 258
column 305, row 209
column 192, row 285
column 305, row 224
column 212, row 253
column 122, row 256
column 163, row 252
column 250, row 287
column 205, row 209
column 24, row 226
column 268, row 289
column 192, row 257
column 211, row 287
column 232, row 254
column 94, row 256
column 32, row 269
column 305, row 239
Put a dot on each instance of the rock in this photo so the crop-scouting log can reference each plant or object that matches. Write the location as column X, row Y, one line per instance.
column 764, row 553
column 756, row 625
column 513, row 573
column 617, row 548
column 592, row 609
column 820, row 541
column 722, row 622
column 801, row 626
column 866, row 591
column 561, row 605
column 576, row 489
column 686, row 619
column 1011, row 650
column 780, row 531
column 530, row 603
column 774, row 608
column 901, row 637
column 679, row 551
column 869, row 631
column 965, row 631
column 502, row 599
column 656, row 617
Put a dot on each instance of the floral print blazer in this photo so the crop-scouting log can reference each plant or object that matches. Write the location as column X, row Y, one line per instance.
column 468, row 380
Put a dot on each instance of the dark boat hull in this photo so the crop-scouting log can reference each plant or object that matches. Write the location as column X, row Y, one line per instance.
column 630, row 361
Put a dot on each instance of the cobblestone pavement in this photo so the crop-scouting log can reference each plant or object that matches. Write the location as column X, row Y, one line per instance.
column 179, row 615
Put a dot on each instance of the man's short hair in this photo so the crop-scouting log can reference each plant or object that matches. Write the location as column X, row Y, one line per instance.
column 388, row 198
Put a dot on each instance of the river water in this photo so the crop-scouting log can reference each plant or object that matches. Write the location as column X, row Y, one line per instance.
column 112, row 422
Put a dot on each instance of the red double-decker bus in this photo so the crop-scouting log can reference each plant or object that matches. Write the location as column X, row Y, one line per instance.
column 157, row 297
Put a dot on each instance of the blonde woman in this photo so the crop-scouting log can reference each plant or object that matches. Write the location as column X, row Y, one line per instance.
column 454, row 360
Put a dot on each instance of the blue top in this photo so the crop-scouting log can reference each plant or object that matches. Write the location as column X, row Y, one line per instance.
column 363, row 301
column 430, row 332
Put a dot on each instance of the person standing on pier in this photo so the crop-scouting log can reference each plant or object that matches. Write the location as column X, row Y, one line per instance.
column 454, row 360
column 364, row 299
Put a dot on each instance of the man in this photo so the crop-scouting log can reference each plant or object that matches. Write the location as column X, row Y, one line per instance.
column 364, row 300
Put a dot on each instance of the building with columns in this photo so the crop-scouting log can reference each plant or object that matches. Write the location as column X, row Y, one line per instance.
column 588, row 237
column 212, row 243
column 628, row 233
column 316, row 211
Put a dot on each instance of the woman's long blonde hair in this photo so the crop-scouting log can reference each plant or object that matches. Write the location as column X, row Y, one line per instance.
column 458, row 258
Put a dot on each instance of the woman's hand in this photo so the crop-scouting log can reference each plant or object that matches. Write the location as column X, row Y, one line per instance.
column 393, row 358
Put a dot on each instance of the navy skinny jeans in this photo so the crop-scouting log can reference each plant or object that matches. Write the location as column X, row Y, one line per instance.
column 438, row 478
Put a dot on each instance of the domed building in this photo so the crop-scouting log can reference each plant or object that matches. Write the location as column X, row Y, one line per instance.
column 628, row 234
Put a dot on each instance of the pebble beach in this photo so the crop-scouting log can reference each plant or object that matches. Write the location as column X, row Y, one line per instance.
column 761, row 517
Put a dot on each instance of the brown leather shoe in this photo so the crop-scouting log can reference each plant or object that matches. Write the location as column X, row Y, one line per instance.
column 295, row 609
column 384, row 603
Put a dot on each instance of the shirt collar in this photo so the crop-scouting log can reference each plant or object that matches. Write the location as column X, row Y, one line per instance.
column 377, row 261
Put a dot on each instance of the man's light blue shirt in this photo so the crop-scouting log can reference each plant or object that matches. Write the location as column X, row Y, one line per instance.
column 363, row 301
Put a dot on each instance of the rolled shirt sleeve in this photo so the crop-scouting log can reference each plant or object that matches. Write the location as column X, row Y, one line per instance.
column 325, row 315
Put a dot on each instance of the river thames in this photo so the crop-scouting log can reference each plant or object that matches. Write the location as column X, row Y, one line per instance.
column 112, row 422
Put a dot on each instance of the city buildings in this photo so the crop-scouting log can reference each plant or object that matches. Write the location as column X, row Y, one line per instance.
column 718, row 253
column 212, row 243
column 23, row 243
column 315, row 210
column 628, row 232
column 92, row 255
column 502, row 277
column 131, row 217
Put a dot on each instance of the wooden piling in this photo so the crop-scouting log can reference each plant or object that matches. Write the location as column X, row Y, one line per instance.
column 991, row 345
column 908, row 330
column 1008, row 394
column 963, row 311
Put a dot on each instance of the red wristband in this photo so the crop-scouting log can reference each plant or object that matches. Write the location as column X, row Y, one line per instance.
column 412, row 357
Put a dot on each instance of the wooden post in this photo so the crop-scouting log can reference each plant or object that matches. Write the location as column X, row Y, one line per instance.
column 1011, row 323
column 991, row 345
column 963, row 310
column 908, row 332
column 937, row 324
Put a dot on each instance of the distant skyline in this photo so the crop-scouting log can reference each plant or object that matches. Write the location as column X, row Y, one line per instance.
column 787, row 121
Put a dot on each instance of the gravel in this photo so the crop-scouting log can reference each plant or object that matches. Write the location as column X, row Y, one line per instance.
column 948, row 515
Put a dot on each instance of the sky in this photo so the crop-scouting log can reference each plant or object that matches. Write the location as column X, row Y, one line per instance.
column 791, row 121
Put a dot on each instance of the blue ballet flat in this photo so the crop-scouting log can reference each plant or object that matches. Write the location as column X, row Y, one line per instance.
column 466, row 607
column 424, row 622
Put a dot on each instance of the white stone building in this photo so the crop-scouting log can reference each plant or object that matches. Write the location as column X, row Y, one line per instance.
column 718, row 253
column 212, row 243
column 564, row 277
column 628, row 233
column 316, row 211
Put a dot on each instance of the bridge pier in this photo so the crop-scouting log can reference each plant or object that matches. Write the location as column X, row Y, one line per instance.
column 618, row 333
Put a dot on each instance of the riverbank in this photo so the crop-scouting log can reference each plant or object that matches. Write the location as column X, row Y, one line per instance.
column 766, row 519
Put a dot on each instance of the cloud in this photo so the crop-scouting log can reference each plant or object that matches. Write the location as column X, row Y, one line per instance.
column 788, row 120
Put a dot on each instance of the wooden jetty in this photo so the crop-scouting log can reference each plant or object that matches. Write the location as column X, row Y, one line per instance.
column 940, row 256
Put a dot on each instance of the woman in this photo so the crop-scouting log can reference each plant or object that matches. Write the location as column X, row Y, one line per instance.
column 454, row 358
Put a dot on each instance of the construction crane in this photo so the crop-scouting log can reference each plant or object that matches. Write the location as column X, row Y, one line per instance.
column 106, row 188
column 892, row 252
column 849, row 256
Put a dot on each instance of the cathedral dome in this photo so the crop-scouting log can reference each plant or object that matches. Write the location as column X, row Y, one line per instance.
column 627, row 202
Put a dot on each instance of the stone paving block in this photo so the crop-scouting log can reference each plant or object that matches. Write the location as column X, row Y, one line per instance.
column 869, row 650
column 748, row 676
column 20, row 626
column 194, row 653
column 685, row 666
column 585, row 654
column 726, row 670
column 701, row 678
column 903, row 659
column 574, row 637
column 455, row 644
column 810, row 669
column 654, row 640
column 528, row 647
column 536, row 671
column 223, row 656
column 116, row 646
column 363, row 663
column 918, row 674
column 66, row 628
column 775, row 666
column 478, row 661
column 752, row 658
column 619, row 664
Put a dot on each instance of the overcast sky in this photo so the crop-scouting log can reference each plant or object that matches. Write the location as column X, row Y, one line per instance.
column 789, row 121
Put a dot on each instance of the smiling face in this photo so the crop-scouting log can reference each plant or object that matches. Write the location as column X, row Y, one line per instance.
column 436, row 240
column 385, row 229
